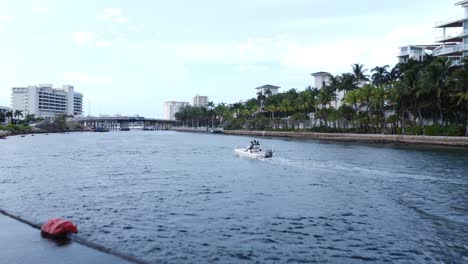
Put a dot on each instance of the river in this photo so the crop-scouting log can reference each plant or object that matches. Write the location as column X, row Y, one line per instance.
column 170, row 197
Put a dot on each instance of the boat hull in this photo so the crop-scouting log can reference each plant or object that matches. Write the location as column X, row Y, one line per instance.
column 252, row 155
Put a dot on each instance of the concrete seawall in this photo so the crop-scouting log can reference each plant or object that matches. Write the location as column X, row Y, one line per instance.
column 365, row 138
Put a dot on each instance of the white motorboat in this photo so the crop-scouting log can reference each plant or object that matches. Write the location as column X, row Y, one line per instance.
column 254, row 152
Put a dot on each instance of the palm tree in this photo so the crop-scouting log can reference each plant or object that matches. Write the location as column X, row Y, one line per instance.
column 365, row 94
column 347, row 82
column 261, row 99
column 379, row 95
column 400, row 97
column 435, row 81
column 18, row 114
column 210, row 105
column 381, row 75
column 359, row 74
column 461, row 86
column 395, row 73
column 10, row 115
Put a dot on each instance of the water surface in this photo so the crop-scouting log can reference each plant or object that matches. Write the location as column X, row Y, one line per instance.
column 169, row 197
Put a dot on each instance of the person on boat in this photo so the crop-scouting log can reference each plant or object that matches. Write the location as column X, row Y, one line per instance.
column 251, row 146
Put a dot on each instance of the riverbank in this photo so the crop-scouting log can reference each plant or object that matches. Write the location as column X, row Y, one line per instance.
column 4, row 134
column 365, row 138
column 22, row 243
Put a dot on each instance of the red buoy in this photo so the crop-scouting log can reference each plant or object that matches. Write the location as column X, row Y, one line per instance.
column 56, row 227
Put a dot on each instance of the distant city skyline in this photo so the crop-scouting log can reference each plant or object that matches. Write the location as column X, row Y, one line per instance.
column 128, row 58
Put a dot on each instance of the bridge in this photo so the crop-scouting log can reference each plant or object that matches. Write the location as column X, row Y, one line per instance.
column 123, row 123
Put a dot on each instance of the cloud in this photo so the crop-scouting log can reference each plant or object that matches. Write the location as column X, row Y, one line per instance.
column 89, row 39
column 103, row 43
column 83, row 38
column 113, row 14
column 40, row 10
column 80, row 77
column 6, row 18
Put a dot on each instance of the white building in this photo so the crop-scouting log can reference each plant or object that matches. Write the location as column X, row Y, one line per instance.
column 43, row 101
column 454, row 40
column 322, row 79
column 170, row 108
column 78, row 104
column 265, row 88
column 414, row 52
column 453, row 43
column 199, row 101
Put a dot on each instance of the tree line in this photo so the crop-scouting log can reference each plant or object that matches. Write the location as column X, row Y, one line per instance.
column 417, row 97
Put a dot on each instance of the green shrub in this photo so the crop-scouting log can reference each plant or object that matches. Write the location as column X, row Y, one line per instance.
column 437, row 130
column 414, row 131
column 15, row 128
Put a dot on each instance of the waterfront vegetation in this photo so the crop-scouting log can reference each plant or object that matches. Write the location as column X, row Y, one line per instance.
column 413, row 98
column 25, row 125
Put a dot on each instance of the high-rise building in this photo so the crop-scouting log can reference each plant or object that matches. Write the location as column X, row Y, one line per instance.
column 43, row 101
column 170, row 108
column 199, row 101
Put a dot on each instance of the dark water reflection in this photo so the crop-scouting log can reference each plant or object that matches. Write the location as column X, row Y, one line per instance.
column 185, row 198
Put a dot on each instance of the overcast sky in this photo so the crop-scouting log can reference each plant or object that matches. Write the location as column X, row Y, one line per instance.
column 127, row 57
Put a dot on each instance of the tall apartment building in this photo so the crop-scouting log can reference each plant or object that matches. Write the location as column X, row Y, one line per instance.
column 453, row 43
column 170, row 108
column 43, row 101
column 199, row 101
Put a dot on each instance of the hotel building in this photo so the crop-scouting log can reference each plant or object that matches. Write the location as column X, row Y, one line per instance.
column 46, row 102
column 170, row 108
column 199, row 101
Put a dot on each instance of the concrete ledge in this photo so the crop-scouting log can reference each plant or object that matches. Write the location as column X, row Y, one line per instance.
column 22, row 243
column 188, row 129
column 368, row 138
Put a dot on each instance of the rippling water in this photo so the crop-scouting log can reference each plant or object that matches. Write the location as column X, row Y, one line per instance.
column 169, row 197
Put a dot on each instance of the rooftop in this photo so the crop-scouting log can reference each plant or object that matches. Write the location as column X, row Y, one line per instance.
column 321, row 73
column 462, row 3
column 453, row 22
column 268, row 86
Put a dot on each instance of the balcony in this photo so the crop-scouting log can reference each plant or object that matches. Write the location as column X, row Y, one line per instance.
column 455, row 37
column 451, row 22
column 450, row 50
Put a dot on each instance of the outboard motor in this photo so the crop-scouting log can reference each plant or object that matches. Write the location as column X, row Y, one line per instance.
column 268, row 153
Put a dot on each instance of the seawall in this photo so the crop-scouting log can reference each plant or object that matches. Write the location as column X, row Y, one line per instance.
column 365, row 138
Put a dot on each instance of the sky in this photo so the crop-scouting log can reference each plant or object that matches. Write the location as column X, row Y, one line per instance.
column 128, row 57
